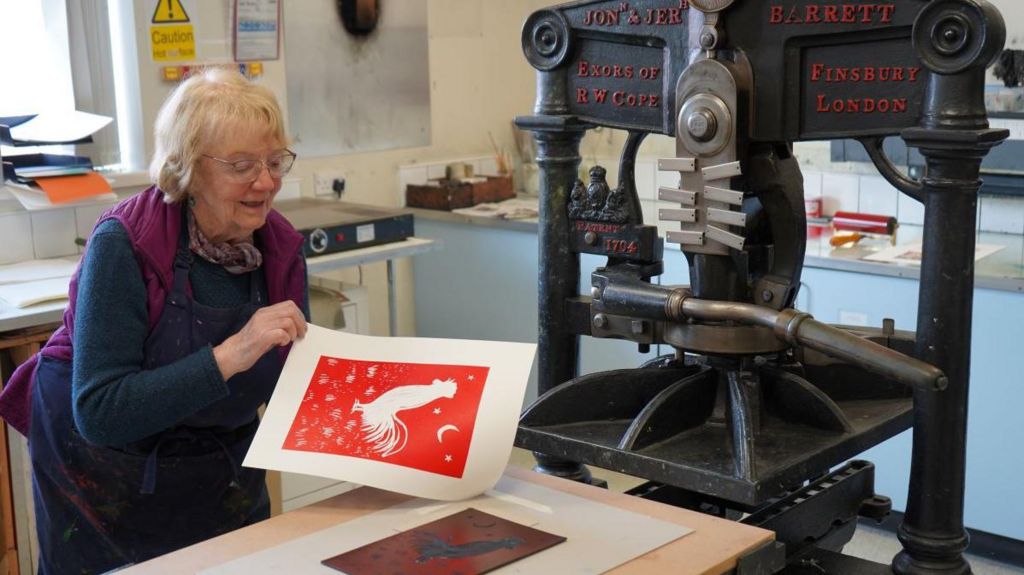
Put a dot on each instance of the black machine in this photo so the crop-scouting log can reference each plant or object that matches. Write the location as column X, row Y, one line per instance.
column 329, row 226
column 760, row 405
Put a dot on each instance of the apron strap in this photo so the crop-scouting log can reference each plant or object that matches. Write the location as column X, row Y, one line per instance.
column 182, row 264
column 149, row 472
column 256, row 293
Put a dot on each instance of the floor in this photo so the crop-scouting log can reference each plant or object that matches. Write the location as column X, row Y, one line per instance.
column 874, row 544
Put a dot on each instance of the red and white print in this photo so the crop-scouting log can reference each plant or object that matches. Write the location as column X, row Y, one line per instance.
column 413, row 415
column 428, row 417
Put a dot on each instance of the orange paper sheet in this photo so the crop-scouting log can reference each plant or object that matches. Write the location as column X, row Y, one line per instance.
column 64, row 189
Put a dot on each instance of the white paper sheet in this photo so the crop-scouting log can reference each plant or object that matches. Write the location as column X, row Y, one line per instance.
column 56, row 127
column 599, row 537
column 34, row 270
column 910, row 253
column 431, row 418
column 514, row 209
column 31, row 293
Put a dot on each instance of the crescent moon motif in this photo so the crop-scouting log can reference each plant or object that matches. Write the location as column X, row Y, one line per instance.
column 444, row 428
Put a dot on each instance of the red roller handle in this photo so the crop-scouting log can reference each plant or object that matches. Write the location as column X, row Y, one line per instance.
column 866, row 223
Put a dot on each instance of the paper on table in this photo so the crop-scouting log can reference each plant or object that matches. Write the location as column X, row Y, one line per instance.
column 57, row 127
column 432, row 418
column 34, row 270
column 513, row 209
column 910, row 253
column 35, row 199
column 64, row 189
column 599, row 537
column 31, row 293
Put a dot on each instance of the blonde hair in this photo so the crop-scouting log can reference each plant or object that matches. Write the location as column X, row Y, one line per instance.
column 201, row 109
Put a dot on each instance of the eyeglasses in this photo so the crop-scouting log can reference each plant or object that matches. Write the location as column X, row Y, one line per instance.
column 246, row 171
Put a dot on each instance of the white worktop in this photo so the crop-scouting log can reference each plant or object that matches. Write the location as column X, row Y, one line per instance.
column 1003, row 270
column 12, row 318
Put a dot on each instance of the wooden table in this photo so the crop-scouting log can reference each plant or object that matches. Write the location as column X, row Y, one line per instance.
column 712, row 548
column 15, row 348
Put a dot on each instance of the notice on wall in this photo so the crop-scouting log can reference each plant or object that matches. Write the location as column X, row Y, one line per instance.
column 431, row 418
column 257, row 30
column 171, row 36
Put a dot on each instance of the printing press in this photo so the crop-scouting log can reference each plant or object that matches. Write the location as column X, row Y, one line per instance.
column 759, row 410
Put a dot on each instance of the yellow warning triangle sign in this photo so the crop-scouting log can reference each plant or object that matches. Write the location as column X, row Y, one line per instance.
column 169, row 11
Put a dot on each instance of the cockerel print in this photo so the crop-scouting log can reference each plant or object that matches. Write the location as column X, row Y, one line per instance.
column 381, row 426
column 390, row 412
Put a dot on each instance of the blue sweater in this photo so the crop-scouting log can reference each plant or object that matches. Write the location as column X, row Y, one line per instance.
column 115, row 401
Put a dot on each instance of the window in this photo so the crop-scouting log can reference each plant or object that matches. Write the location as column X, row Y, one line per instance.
column 61, row 55
column 36, row 67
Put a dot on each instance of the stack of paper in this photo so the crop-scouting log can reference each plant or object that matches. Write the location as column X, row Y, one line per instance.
column 57, row 128
column 36, row 281
column 62, row 190
column 44, row 180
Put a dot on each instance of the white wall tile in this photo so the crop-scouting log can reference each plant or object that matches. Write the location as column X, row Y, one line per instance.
column 645, row 180
column 650, row 213
column 666, row 179
column 840, row 192
column 416, row 175
column 911, row 211
column 16, row 238
column 1001, row 215
column 85, row 219
column 1016, row 127
column 877, row 196
column 53, row 233
column 435, row 171
column 487, row 167
column 812, row 184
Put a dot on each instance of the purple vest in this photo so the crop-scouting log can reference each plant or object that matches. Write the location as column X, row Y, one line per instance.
column 153, row 227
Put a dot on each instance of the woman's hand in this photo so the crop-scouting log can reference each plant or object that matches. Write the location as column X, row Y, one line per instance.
column 276, row 325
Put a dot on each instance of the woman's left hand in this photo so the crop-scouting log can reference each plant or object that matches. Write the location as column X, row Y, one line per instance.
column 276, row 325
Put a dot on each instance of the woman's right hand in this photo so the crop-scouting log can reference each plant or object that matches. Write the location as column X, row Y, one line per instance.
column 276, row 325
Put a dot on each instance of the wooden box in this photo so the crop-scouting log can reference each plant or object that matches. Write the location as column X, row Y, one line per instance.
column 455, row 194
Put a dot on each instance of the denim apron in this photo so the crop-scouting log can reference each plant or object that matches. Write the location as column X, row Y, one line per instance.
column 98, row 508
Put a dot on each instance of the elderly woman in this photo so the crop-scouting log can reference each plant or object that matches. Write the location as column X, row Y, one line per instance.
column 187, row 299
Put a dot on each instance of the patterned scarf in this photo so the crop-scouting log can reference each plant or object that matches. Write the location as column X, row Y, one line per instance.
column 238, row 258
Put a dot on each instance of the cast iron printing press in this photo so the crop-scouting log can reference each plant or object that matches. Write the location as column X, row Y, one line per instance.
column 760, row 407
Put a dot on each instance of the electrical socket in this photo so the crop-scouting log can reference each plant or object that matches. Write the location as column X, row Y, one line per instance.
column 324, row 183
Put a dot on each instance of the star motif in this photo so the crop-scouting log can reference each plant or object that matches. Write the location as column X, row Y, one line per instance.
column 470, row 378
column 447, row 458
column 437, row 411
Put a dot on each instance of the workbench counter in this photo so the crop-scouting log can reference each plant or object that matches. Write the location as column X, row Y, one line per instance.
column 712, row 548
column 1003, row 270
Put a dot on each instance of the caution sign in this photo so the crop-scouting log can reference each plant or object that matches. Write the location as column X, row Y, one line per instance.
column 170, row 12
column 173, row 43
column 171, row 36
